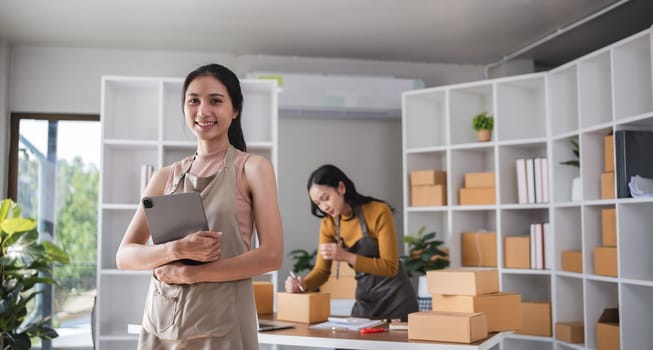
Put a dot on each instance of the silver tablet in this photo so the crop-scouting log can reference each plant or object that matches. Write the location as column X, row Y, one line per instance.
column 174, row 216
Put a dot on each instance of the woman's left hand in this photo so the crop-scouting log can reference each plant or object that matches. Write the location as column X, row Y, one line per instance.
column 173, row 273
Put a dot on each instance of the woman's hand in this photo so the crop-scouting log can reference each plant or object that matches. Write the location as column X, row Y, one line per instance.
column 295, row 284
column 202, row 246
column 331, row 251
column 172, row 273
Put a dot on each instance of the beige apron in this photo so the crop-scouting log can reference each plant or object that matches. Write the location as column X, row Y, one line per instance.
column 220, row 315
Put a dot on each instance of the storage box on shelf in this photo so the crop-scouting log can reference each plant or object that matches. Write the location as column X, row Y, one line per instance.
column 142, row 123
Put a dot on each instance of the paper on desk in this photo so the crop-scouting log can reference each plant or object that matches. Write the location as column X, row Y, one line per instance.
column 349, row 323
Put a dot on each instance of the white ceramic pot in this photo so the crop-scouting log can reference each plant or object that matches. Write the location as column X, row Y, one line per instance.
column 576, row 189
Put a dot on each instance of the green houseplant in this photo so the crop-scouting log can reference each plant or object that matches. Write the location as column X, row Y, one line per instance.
column 424, row 253
column 24, row 262
column 302, row 260
column 483, row 123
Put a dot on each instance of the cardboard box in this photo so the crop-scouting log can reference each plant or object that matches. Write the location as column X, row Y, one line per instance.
column 477, row 196
column 428, row 177
column 503, row 310
column 476, row 180
column 459, row 327
column 572, row 261
column 607, row 330
column 517, row 252
column 608, row 153
column 264, row 297
column 428, row 195
column 535, row 318
column 605, row 261
column 607, row 185
column 303, row 307
column 479, row 249
column 571, row 332
column 609, row 227
column 463, row 281
column 341, row 288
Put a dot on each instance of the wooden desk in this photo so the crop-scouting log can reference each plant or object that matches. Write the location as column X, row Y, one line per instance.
column 301, row 335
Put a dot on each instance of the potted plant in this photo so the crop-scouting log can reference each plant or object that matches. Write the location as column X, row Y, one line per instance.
column 303, row 260
column 483, row 123
column 575, row 183
column 424, row 254
column 24, row 262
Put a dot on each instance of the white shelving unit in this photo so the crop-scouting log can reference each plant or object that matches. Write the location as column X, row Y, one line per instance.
column 535, row 116
column 143, row 123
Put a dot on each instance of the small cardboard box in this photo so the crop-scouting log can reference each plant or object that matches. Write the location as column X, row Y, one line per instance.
column 607, row 330
column 608, row 153
column 517, row 252
column 476, row 180
column 535, row 318
column 264, row 297
column 341, row 288
column 428, row 177
column 605, row 261
column 479, row 249
column 477, row 196
column 609, row 227
column 428, row 195
column 459, row 327
column 503, row 310
column 463, row 281
column 303, row 307
column 607, row 185
column 572, row 261
column 571, row 332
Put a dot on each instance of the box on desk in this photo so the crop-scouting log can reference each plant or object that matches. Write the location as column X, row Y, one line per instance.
column 479, row 249
column 572, row 261
column 571, row 332
column 503, row 310
column 264, row 297
column 343, row 287
column 477, row 196
column 607, row 330
column 517, row 252
column 459, row 327
column 303, row 307
column 609, row 227
column 535, row 318
column 463, row 281
column 605, row 261
column 428, row 195
column 479, row 180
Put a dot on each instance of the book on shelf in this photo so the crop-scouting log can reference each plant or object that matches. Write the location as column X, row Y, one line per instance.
column 522, row 194
column 633, row 157
column 541, row 246
column 532, row 180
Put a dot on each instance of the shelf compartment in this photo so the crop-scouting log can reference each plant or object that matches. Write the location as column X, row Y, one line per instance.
column 530, row 287
column 634, row 240
column 464, row 104
column 424, row 123
column 174, row 121
column 467, row 161
column 521, row 108
column 592, row 163
column 636, row 317
column 507, row 176
column 469, row 221
column 563, row 97
column 433, row 221
column 595, row 90
column 567, row 232
column 569, row 300
column 599, row 295
column 258, row 99
column 114, row 225
column 592, row 233
column 131, row 110
column 113, row 320
column 633, row 91
column 172, row 154
column 121, row 167
column 563, row 175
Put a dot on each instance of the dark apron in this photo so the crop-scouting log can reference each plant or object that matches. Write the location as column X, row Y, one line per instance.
column 377, row 296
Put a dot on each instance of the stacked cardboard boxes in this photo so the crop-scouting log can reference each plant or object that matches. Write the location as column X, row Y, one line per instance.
column 605, row 256
column 479, row 189
column 342, row 287
column 607, row 177
column 428, row 188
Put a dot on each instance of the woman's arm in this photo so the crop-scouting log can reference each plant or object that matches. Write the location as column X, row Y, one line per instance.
column 322, row 269
column 381, row 224
column 135, row 254
column 261, row 183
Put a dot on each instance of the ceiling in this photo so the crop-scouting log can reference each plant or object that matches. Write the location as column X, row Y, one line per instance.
column 448, row 31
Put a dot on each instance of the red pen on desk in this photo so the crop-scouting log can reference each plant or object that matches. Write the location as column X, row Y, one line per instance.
column 369, row 330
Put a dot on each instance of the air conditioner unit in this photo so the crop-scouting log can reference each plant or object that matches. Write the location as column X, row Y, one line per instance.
column 339, row 95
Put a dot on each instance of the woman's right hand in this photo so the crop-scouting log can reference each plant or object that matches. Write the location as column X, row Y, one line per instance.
column 202, row 246
column 293, row 284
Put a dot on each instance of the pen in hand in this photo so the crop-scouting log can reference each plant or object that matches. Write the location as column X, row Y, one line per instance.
column 299, row 284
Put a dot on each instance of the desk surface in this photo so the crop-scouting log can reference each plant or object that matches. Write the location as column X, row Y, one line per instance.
column 302, row 335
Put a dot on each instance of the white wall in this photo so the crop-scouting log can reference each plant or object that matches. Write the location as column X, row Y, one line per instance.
column 67, row 80
column 4, row 117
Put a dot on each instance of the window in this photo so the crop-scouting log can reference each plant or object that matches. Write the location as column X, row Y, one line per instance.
column 54, row 162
